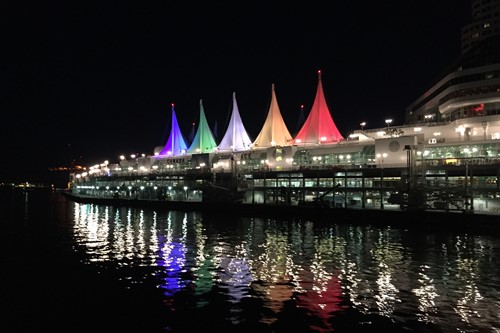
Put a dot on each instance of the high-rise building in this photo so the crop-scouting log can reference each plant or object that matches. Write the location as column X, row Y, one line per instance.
column 485, row 23
column 470, row 86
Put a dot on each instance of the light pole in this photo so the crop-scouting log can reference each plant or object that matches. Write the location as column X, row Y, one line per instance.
column 388, row 122
column 363, row 124
column 185, row 192
column 380, row 158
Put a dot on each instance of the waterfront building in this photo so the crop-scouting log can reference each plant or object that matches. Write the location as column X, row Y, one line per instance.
column 445, row 157
column 484, row 24
column 451, row 166
column 470, row 86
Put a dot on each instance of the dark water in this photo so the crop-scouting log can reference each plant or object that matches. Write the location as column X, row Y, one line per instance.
column 80, row 267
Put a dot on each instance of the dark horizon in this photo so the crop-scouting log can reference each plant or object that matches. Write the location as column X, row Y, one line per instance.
column 88, row 83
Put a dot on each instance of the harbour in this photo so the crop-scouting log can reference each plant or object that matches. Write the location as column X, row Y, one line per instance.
column 152, row 180
column 104, row 268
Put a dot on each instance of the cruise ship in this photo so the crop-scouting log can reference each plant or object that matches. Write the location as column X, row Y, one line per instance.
column 446, row 157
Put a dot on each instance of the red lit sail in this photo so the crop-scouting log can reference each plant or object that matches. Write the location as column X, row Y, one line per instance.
column 319, row 126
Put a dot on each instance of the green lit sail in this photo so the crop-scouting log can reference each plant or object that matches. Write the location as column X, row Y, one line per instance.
column 203, row 141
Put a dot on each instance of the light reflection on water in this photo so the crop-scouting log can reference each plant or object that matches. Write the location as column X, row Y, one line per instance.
column 325, row 272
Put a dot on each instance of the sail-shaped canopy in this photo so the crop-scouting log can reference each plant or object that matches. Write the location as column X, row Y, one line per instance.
column 274, row 132
column 191, row 134
column 176, row 145
column 319, row 126
column 215, row 131
column 203, row 141
column 300, row 121
column 236, row 137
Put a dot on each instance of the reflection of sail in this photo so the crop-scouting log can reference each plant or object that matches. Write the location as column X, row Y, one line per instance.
column 172, row 256
column 389, row 277
column 173, row 260
column 204, row 281
column 276, row 274
column 236, row 276
column 322, row 300
column 321, row 290
column 278, row 294
column 204, row 268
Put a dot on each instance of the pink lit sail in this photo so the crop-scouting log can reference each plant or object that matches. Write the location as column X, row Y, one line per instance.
column 319, row 127
column 274, row 132
column 175, row 145
column 236, row 137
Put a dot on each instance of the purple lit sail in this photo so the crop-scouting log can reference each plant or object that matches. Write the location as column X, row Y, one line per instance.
column 175, row 145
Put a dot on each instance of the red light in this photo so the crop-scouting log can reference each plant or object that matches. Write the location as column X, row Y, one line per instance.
column 479, row 108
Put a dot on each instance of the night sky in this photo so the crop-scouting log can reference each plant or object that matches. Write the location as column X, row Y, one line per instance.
column 90, row 81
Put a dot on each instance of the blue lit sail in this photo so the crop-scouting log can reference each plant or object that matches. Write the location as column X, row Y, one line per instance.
column 176, row 145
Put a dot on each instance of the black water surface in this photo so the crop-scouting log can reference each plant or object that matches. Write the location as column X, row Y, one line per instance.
column 81, row 267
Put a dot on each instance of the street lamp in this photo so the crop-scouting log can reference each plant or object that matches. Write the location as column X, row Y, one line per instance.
column 363, row 124
column 185, row 192
column 388, row 122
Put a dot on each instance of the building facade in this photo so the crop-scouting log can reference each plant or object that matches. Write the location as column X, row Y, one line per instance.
column 446, row 156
